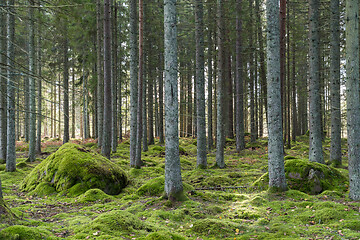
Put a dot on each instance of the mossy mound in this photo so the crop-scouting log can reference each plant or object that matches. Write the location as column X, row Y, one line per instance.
column 164, row 236
column 155, row 187
column 117, row 221
column 308, row 177
column 74, row 169
column 93, row 195
column 43, row 189
column 20, row 232
column 215, row 226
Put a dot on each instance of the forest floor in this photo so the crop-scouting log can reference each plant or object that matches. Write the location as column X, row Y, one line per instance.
column 222, row 203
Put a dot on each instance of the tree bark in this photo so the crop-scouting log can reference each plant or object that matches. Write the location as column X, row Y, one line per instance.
column 239, row 114
column 11, row 153
column 210, row 85
column 335, row 147
column 220, row 135
column 3, row 82
column 100, row 76
column 39, row 84
column 114, row 82
column 106, row 144
column 352, row 96
column 277, row 179
column 66, row 137
column 173, row 182
column 315, row 151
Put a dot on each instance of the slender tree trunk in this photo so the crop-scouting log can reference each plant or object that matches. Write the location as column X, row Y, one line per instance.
column 315, row 151
column 3, row 82
column 59, row 104
column 106, row 144
column 73, row 104
column 240, row 141
column 352, row 96
column 133, row 81
column 39, row 85
column 173, row 182
column 32, row 93
column 100, row 76
column 189, row 100
column 11, row 153
column 220, row 136
column 210, row 87
column 85, row 105
column 120, row 54
column 138, row 161
column 150, row 97
column 335, row 148
column 288, row 94
column 283, row 61
column 66, row 137
column 114, row 81
column 277, row 179
column 201, row 161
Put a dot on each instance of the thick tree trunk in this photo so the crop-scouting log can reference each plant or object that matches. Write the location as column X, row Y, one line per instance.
column 32, row 71
column 201, row 161
column 252, row 79
column 352, row 96
column 173, row 182
column 239, row 114
column 133, row 81
column 220, row 135
column 283, row 61
column 106, row 144
column 315, row 151
column 335, row 148
column 11, row 153
column 277, row 179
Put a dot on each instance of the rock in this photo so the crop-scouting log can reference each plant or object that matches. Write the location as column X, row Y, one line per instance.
column 308, row 177
column 74, row 169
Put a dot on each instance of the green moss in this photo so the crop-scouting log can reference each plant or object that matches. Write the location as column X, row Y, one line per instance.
column 215, row 227
column 322, row 216
column 353, row 224
column 118, row 221
column 308, row 177
column 289, row 157
column 258, row 201
column 155, row 187
column 43, row 189
column 162, row 235
column 21, row 165
column 158, row 148
column 19, row 232
column 93, row 195
column 2, row 167
column 76, row 169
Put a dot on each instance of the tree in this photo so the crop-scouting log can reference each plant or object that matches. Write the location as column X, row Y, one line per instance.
column 100, row 76
column 200, row 86
column 66, row 137
column 106, row 144
column 133, row 81
column 3, row 92
column 277, row 179
column 10, row 151
column 32, row 71
column 39, row 84
column 114, row 81
column 315, row 151
column 220, row 135
column 335, row 148
column 173, row 182
column 210, row 81
column 352, row 96
column 239, row 113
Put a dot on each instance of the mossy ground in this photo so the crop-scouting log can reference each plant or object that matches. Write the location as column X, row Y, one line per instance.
column 227, row 207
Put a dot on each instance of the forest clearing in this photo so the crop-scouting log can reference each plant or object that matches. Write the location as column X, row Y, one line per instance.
column 140, row 211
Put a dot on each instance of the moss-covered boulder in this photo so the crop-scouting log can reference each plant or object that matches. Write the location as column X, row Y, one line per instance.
column 74, row 169
column 93, row 195
column 309, row 177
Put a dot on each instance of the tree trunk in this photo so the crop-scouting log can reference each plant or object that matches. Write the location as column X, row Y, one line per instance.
column 201, row 161
column 114, row 80
column 100, row 76
column 73, row 104
column 39, row 73
column 189, row 100
column 210, row 79
column 239, row 114
column 11, row 153
column 106, row 144
column 283, row 61
column 252, row 79
column 352, row 96
column 138, row 161
column 220, row 136
column 173, row 182
column 66, row 137
column 3, row 82
column 335, row 148
column 161, row 104
column 32, row 71
column 315, row 151
column 277, row 179
column 133, row 81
